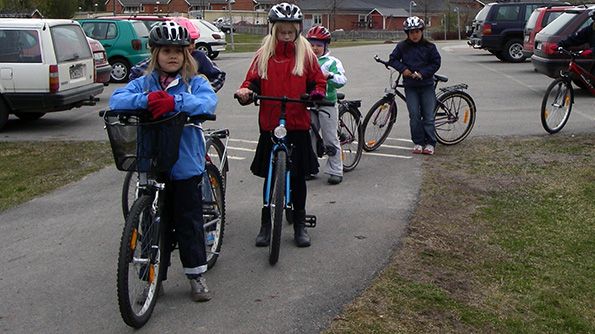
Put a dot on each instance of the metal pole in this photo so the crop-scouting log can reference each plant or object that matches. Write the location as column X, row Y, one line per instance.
column 229, row 2
column 459, row 21
column 444, row 24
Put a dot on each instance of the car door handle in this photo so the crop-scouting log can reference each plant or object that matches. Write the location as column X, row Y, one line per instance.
column 106, row 45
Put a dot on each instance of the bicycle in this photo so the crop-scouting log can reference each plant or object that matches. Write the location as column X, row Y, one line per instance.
column 348, row 131
column 455, row 112
column 151, row 148
column 277, row 192
column 559, row 95
column 216, row 155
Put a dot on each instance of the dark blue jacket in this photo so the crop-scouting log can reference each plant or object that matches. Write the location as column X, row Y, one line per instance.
column 422, row 57
column 585, row 35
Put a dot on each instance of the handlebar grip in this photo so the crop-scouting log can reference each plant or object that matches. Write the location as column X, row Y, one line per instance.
column 202, row 117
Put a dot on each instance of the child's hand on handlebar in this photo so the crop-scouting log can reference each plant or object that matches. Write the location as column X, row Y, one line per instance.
column 316, row 95
column 243, row 95
column 160, row 103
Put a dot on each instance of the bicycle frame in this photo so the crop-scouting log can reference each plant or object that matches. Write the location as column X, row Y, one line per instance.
column 581, row 73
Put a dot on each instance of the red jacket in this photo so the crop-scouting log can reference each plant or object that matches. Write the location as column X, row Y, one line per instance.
column 281, row 82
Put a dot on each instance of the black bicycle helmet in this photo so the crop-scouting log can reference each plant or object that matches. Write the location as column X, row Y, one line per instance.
column 168, row 33
column 285, row 12
column 412, row 23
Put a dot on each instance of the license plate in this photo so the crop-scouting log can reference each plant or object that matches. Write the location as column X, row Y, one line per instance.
column 77, row 71
column 538, row 46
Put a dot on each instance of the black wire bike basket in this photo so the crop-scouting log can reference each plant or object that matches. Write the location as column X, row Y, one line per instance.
column 143, row 146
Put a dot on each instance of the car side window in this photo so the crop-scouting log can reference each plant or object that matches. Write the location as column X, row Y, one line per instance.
column 508, row 13
column 19, row 46
column 112, row 31
column 550, row 17
column 529, row 9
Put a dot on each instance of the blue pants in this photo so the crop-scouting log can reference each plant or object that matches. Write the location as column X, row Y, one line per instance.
column 420, row 103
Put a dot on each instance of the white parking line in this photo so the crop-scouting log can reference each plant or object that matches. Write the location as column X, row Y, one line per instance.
column 241, row 149
column 243, row 141
column 233, row 157
column 388, row 155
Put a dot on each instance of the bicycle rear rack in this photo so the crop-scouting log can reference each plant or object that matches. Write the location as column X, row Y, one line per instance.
column 454, row 88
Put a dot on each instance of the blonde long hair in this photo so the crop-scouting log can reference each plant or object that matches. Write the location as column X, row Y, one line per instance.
column 303, row 51
column 189, row 65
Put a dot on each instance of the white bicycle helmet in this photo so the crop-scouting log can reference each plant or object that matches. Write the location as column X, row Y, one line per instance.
column 169, row 33
column 412, row 23
column 285, row 12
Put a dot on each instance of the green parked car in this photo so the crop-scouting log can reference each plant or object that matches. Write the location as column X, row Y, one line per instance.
column 126, row 43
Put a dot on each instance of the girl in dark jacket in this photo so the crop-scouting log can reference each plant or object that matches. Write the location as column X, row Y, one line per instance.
column 417, row 60
column 285, row 65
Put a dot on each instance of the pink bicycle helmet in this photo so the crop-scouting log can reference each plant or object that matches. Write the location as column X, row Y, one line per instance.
column 319, row 33
column 186, row 23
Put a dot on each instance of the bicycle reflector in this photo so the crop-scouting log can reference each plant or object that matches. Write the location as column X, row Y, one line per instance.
column 280, row 132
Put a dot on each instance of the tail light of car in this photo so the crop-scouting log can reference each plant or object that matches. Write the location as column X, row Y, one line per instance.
column 216, row 36
column 54, row 79
column 137, row 44
column 487, row 29
column 549, row 48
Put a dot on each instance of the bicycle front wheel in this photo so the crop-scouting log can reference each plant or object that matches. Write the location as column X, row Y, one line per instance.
column 556, row 105
column 277, row 205
column 378, row 123
column 350, row 137
column 216, row 151
column 454, row 117
column 129, row 192
column 213, row 210
column 140, row 262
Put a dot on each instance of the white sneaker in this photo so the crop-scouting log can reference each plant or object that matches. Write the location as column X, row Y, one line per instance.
column 429, row 149
column 417, row 149
column 199, row 290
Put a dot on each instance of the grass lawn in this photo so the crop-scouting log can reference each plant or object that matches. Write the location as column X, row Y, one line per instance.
column 502, row 241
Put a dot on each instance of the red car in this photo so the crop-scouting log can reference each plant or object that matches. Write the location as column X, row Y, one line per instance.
column 102, row 67
column 540, row 18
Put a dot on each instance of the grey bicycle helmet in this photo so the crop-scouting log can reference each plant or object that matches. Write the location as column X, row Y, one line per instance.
column 169, row 33
column 285, row 12
column 412, row 23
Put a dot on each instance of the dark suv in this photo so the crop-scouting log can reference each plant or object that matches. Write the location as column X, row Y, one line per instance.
column 499, row 28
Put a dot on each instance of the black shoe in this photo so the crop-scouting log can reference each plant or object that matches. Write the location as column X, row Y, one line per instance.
column 301, row 237
column 335, row 179
column 264, row 235
column 310, row 177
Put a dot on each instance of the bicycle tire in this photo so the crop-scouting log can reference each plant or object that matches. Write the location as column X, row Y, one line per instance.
column 129, row 194
column 216, row 149
column 140, row 244
column 277, row 205
column 378, row 122
column 350, row 137
column 553, row 114
column 454, row 117
column 213, row 213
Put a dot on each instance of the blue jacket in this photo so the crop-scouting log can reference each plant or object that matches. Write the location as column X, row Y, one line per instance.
column 422, row 57
column 205, row 66
column 199, row 99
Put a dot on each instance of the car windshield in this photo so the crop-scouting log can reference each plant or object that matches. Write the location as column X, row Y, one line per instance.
column 559, row 23
column 481, row 16
column 209, row 25
column 550, row 17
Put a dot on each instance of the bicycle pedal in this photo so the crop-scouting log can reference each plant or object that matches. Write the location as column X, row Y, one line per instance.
column 310, row 221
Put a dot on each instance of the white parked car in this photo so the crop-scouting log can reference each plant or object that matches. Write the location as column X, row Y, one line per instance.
column 212, row 39
column 46, row 65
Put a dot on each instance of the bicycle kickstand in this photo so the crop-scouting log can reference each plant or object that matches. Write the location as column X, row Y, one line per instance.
column 310, row 221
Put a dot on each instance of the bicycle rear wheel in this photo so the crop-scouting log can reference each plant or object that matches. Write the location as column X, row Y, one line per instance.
column 454, row 114
column 216, row 150
column 277, row 205
column 129, row 192
column 213, row 204
column 557, row 105
column 350, row 137
column 140, row 262
column 378, row 123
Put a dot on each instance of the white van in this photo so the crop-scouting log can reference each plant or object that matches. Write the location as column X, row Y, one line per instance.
column 211, row 40
column 45, row 65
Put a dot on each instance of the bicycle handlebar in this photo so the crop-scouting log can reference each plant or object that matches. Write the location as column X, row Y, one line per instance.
column 141, row 112
column 574, row 54
column 304, row 99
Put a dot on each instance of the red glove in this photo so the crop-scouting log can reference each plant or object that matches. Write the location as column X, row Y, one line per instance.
column 316, row 95
column 586, row 53
column 160, row 103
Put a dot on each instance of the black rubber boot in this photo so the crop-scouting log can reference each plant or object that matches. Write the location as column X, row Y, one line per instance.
column 264, row 236
column 301, row 237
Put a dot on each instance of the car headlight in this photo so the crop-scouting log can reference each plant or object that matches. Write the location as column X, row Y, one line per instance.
column 280, row 132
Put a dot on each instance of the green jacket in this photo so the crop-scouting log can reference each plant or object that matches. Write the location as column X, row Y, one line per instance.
column 331, row 65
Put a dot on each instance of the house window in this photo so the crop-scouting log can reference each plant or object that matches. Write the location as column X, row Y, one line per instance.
column 316, row 19
column 362, row 17
column 129, row 9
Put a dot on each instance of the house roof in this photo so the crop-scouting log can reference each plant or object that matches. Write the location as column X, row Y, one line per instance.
column 132, row 3
column 28, row 13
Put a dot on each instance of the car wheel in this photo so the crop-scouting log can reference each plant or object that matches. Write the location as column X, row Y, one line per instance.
column 204, row 48
column 29, row 116
column 120, row 70
column 513, row 51
column 213, row 54
column 4, row 111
